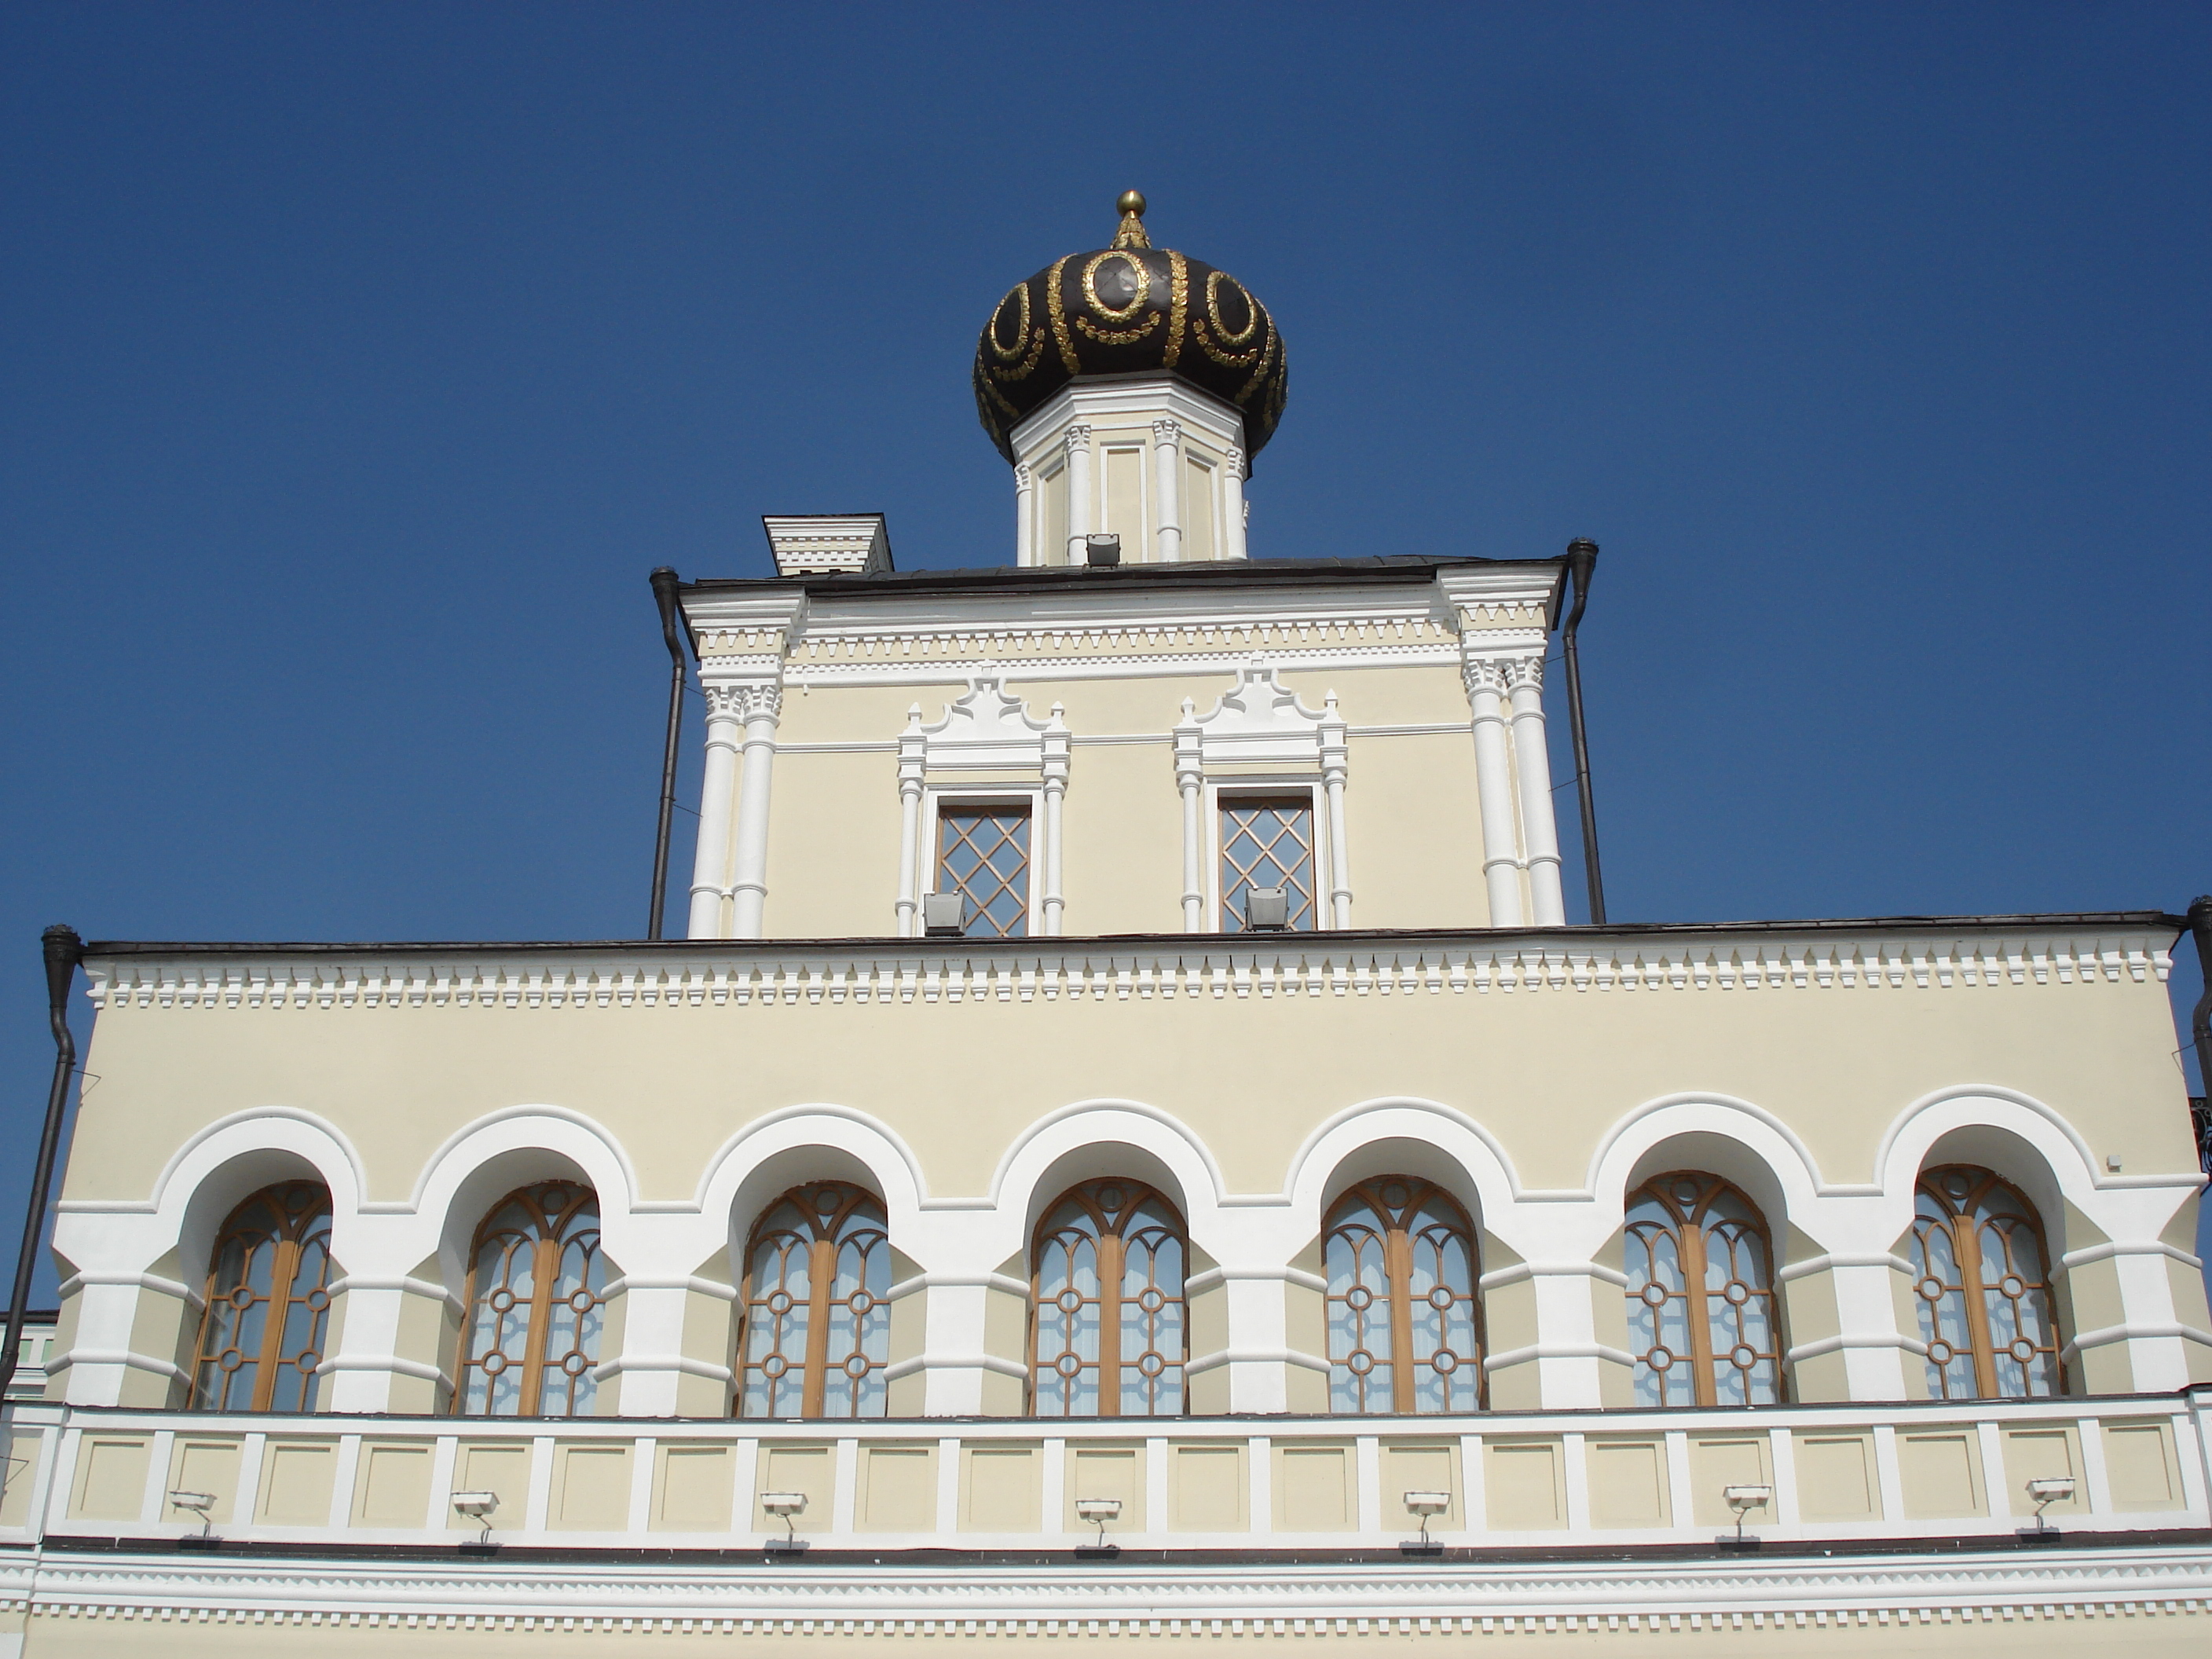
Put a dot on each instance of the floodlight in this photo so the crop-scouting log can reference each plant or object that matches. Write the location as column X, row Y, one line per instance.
column 1100, row 1510
column 2044, row 1492
column 477, row 1506
column 1743, row 1500
column 944, row 915
column 784, row 1505
column 1266, row 909
column 201, row 1504
column 1425, row 1504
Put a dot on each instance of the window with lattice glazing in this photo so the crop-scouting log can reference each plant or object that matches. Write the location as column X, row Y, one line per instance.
column 1267, row 843
column 1404, row 1333
column 536, row 1306
column 1108, row 1338
column 1701, row 1309
column 818, row 1325
column 268, row 1304
column 983, row 855
column 1983, row 1290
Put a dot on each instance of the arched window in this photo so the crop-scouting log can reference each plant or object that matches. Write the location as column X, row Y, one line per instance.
column 1108, row 1339
column 1403, row 1334
column 1701, row 1316
column 1984, row 1293
column 268, row 1304
column 817, row 1329
column 537, row 1303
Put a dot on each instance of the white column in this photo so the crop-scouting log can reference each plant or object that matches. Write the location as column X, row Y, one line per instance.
column 710, row 864
column 1024, row 516
column 912, row 755
column 652, row 1360
column 1334, row 758
column 763, row 704
column 1493, row 783
column 1050, row 903
column 1190, row 779
column 1233, row 505
column 1540, row 830
column 1167, row 493
column 1079, row 513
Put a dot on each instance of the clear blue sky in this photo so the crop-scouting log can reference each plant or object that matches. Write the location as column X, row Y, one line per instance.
column 361, row 359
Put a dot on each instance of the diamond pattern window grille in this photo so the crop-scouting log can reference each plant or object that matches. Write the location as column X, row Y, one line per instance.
column 983, row 854
column 1266, row 843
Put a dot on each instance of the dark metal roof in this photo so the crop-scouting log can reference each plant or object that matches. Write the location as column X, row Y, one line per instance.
column 1410, row 569
column 1538, row 937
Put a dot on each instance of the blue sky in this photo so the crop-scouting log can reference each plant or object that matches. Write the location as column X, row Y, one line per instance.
column 362, row 360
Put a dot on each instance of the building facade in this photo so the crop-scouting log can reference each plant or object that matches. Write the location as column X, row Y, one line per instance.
column 1130, row 1150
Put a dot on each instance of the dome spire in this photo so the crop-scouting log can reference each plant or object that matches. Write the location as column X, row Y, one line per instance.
column 1132, row 234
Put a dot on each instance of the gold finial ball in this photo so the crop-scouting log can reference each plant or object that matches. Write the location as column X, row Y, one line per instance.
column 1132, row 201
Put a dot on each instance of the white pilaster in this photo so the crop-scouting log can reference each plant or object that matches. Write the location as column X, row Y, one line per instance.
column 1081, row 516
column 1024, row 516
column 913, row 749
column 1334, row 757
column 1190, row 780
column 1540, row 832
column 1866, row 1314
column 1493, row 783
column 1232, row 508
column 1167, row 492
column 718, row 799
column 1051, row 905
column 763, row 709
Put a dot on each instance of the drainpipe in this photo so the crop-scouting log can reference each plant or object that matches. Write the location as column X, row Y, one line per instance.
column 664, row 583
column 1581, row 560
column 2200, row 1024
column 64, row 950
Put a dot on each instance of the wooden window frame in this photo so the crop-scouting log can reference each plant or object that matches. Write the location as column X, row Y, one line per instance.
column 296, row 1226
column 1397, row 1273
column 828, row 1238
column 548, row 1246
column 1966, row 1235
column 1112, row 1259
column 1688, row 1225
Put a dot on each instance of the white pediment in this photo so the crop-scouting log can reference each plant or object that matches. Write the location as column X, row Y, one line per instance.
column 988, row 727
column 1259, row 720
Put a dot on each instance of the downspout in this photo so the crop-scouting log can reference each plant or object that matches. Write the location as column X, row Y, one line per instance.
column 1582, row 560
column 2200, row 1025
column 64, row 950
column 664, row 583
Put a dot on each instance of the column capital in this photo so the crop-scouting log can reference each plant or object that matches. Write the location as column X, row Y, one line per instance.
column 1484, row 674
column 1167, row 431
column 1232, row 463
column 744, row 700
column 1525, row 671
column 1021, row 479
column 1077, row 437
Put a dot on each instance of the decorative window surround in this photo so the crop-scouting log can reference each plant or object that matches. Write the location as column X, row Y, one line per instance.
column 986, row 730
column 1259, row 722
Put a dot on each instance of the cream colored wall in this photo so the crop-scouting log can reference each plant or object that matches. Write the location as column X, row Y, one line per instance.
column 1413, row 823
column 1251, row 1077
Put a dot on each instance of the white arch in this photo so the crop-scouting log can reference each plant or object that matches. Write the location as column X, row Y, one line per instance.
column 1015, row 1183
column 567, row 1134
column 1455, row 1135
column 262, row 1129
column 1760, row 1133
column 894, row 1171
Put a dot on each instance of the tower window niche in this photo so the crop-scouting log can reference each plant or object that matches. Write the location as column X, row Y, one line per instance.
column 1701, row 1316
column 1403, row 1331
column 536, row 1306
column 1982, row 1288
column 818, row 1326
column 1110, row 1338
column 268, row 1304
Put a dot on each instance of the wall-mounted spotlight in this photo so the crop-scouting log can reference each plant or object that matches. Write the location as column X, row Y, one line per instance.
column 201, row 1504
column 478, row 1506
column 1099, row 1511
column 1425, row 1505
column 1743, row 1500
column 2042, row 1492
column 784, row 1505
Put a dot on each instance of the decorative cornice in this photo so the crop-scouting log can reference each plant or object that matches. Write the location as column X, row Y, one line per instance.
column 1310, row 966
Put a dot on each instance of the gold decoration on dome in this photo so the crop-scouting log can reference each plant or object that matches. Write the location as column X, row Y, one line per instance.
column 1178, row 306
column 1057, row 313
column 1116, row 313
column 1132, row 233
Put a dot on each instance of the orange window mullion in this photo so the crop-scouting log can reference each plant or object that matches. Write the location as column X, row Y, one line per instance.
column 1398, row 1267
column 1691, row 1236
column 545, row 1261
column 281, row 1270
column 1109, row 1325
column 821, row 1266
column 1969, row 1242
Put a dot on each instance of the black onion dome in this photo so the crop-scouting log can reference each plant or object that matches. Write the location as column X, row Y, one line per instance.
column 1129, row 309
